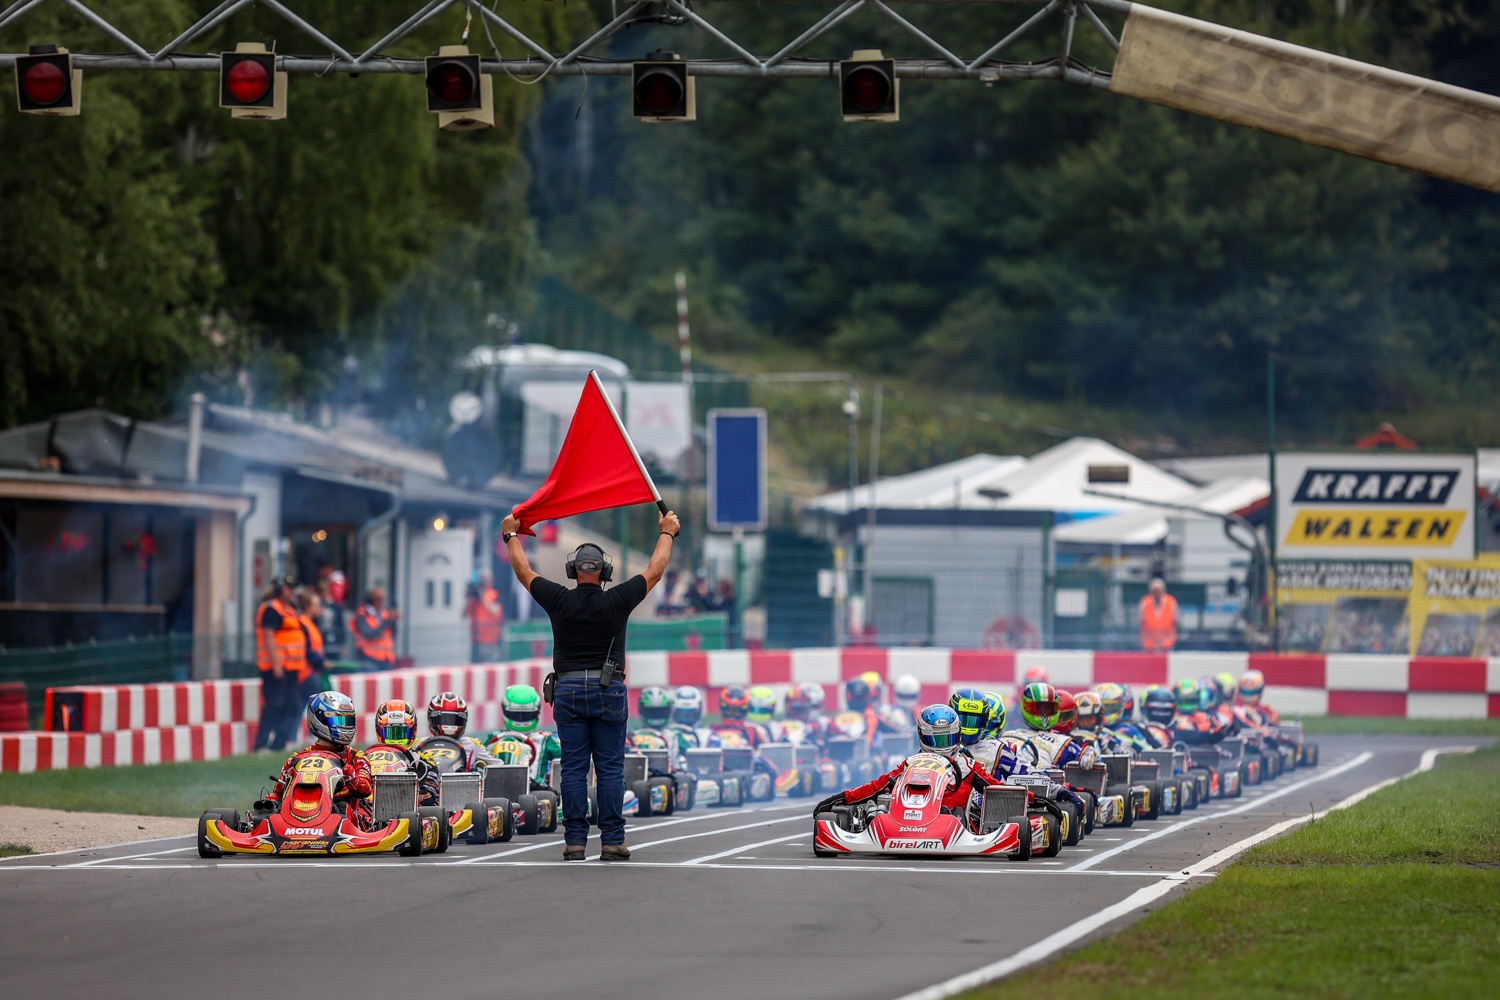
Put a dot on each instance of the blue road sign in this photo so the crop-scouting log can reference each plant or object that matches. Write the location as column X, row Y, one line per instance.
column 737, row 469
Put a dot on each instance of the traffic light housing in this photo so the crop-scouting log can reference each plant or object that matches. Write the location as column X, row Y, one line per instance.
column 463, row 97
column 868, row 88
column 661, row 89
column 47, row 83
column 249, row 84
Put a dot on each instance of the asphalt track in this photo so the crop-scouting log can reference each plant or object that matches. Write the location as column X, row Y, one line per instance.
column 726, row 904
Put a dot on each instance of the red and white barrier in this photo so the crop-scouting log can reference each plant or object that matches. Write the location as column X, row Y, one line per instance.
column 109, row 708
column 27, row 752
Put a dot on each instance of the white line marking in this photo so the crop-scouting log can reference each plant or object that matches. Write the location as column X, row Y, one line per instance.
column 834, row 865
column 130, row 857
column 101, row 847
column 1074, row 932
column 715, row 833
column 1243, row 807
column 746, row 847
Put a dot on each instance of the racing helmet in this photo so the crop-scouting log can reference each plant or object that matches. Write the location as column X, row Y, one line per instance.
column 938, row 730
column 447, row 715
column 654, row 706
column 395, row 723
column 995, row 724
column 1228, row 687
column 1067, row 713
column 1188, row 697
column 1111, row 702
column 907, row 691
column 1159, row 705
column 1127, row 703
column 1252, row 685
column 762, row 704
column 798, row 704
column 1208, row 693
column 973, row 713
column 857, row 694
column 816, row 696
column 1034, row 675
column 1090, row 711
column 1039, row 705
column 521, row 708
column 877, row 686
column 734, row 702
column 330, row 718
column 687, row 706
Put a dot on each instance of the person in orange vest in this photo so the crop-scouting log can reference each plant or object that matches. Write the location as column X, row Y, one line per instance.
column 485, row 619
column 1158, row 618
column 310, row 609
column 281, row 658
column 375, row 632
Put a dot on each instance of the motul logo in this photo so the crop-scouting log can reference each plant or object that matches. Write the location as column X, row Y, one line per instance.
column 302, row 831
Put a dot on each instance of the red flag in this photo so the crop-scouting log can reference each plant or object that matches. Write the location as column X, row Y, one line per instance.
column 597, row 468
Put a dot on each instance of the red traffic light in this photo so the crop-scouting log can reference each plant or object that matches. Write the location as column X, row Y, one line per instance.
column 453, row 83
column 659, row 92
column 661, row 89
column 247, row 81
column 44, row 83
column 866, row 90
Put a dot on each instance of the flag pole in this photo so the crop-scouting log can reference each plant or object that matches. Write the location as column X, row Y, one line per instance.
column 656, row 493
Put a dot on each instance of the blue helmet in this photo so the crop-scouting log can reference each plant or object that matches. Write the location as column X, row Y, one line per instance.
column 996, row 724
column 938, row 729
column 973, row 713
column 330, row 718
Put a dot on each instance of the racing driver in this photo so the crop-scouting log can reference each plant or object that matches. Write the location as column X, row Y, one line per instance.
column 330, row 722
column 448, row 715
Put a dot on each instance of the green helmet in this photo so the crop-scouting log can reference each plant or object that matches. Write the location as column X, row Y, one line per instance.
column 1229, row 686
column 1039, row 705
column 654, row 706
column 522, row 708
column 1189, row 698
column 995, row 724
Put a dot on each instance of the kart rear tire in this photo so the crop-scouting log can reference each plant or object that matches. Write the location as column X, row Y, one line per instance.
column 1245, row 772
column 206, row 848
column 552, row 797
column 1308, row 756
column 412, row 846
column 1127, row 814
column 669, row 804
column 1075, row 824
column 1154, row 794
column 1054, row 836
column 1091, row 811
column 642, row 792
column 445, row 829
column 1023, row 831
column 507, row 820
column 531, row 814
column 479, row 825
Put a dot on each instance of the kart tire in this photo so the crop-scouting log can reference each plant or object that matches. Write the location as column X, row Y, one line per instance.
column 1189, row 791
column 1308, row 756
column 819, row 852
column 552, row 797
column 669, row 804
column 1201, row 780
column 687, row 791
column 531, row 815
column 1239, row 789
column 479, row 825
column 508, row 821
column 1273, row 764
column 1023, row 853
column 1054, row 836
column 1075, row 824
column 1091, row 811
column 445, row 829
column 206, row 848
column 411, row 847
column 731, row 792
column 642, row 792
column 1154, row 794
column 1245, row 770
column 1127, row 814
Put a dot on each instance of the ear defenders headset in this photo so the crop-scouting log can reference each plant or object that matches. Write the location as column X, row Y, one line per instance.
column 593, row 557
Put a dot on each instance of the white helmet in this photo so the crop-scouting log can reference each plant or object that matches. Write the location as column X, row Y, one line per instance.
column 907, row 691
column 687, row 706
column 816, row 696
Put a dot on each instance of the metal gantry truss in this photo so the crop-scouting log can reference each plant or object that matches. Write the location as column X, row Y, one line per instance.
column 941, row 64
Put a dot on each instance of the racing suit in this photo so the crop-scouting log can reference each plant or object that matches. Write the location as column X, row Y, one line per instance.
column 427, row 775
column 1199, row 728
column 1001, row 757
column 971, row 775
column 358, row 784
column 1060, row 750
column 544, row 750
column 476, row 756
column 751, row 733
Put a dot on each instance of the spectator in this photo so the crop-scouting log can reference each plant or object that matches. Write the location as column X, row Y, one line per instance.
column 281, row 658
column 485, row 620
column 310, row 606
column 375, row 632
column 331, row 620
column 1158, row 618
column 668, row 606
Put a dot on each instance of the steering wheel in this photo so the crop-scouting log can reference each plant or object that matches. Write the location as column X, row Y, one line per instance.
column 445, row 753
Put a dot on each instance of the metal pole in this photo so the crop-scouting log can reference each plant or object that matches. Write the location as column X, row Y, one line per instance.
column 869, row 584
column 851, row 409
column 1272, row 584
column 738, row 636
column 196, row 403
column 685, row 355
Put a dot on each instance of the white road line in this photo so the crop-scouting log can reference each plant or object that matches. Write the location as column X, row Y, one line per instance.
column 1054, row 943
column 271, row 864
column 101, row 847
column 715, row 833
column 1243, row 807
column 742, row 849
column 130, row 857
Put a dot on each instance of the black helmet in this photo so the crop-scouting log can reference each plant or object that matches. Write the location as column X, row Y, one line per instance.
column 1159, row 705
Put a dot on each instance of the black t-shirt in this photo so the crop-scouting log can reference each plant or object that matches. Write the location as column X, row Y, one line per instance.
column 270, row 618
column 586, row 619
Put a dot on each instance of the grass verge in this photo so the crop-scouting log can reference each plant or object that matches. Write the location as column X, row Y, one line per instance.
column 14, row 850
column 1396, row 896
column 1352, row 725
column 182, row 789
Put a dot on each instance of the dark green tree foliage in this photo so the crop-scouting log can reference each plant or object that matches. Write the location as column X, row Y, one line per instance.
column 1051, row 240
column 152, row 244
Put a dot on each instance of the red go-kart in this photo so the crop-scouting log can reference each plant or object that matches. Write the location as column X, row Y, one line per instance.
column 311, row 818
column 911, row 820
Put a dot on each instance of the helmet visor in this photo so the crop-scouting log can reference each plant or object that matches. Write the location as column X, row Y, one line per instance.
column 398, row 733
column 520, row 718
column 939, row 741
column 459, row 719
column 339, row 720
column 972, row 719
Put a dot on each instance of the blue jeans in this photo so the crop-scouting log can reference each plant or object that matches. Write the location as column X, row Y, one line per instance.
column 591, row 725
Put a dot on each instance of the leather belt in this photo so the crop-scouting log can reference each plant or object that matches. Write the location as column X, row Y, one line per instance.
column 586, row 675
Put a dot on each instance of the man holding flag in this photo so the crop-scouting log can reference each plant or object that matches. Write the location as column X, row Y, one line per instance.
column 598, row 467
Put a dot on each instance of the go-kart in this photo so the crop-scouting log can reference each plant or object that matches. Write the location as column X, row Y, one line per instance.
column 678, row 786
column 1179, row 790
column 462, row 797
column 312, row 818
column 1306, row 754
column 1216, row 777
column 1114, row 802
column 796, row 766
column 535, row 807
column 910, row 819
column 741, row 759
column 717, row 787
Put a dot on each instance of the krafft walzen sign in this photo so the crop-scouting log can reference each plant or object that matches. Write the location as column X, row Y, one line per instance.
column 1374, row 505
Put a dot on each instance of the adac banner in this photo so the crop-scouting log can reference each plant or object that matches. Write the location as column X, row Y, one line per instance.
column 1374, row 505
column 1455, row 607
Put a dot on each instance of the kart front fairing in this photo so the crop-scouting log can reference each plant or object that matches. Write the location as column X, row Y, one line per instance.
column 912, row 820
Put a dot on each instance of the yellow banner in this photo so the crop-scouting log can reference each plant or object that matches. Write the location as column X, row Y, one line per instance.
column 1455, row 607
column 1392, row 528
column 1321, row 99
